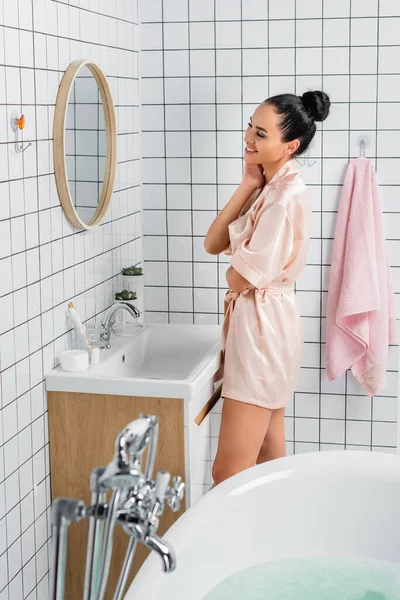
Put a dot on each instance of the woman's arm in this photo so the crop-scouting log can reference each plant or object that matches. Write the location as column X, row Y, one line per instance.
column 217, row 238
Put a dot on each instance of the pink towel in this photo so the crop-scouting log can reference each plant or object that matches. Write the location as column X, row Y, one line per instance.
column 361, row 318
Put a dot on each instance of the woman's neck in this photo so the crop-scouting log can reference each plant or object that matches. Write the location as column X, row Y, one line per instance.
column 271, row 169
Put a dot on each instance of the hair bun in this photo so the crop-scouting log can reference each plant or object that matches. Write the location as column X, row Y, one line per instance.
column 317, row 104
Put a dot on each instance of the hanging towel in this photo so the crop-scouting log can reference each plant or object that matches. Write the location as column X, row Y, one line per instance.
column 360, row 316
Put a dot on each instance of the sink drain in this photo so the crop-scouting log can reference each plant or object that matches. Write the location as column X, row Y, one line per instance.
column 123, row 358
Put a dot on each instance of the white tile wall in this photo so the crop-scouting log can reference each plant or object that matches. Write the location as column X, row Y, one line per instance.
column 205, row 66
column 43, row 262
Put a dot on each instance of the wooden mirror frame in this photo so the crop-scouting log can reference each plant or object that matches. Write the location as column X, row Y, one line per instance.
column 60, row 167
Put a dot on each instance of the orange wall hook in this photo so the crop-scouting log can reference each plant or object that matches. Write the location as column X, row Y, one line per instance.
column 17, row 125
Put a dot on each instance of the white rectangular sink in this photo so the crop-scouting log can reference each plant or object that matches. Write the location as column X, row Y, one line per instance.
column 162, row 361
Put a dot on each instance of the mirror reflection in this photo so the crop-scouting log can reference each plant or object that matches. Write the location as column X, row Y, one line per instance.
column 85, row 144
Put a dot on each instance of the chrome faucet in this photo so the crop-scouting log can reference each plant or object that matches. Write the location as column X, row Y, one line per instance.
column 137, row 503
column 109, row 320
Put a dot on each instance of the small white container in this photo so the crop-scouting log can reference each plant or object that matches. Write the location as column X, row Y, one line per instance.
column 133, row 283
column 74, row 360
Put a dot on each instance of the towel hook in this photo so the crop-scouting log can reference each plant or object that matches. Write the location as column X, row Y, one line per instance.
column 306, row 160
column 363, row 142
column 17, row 125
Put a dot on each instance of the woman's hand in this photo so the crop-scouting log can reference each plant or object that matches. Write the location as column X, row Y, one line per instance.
column 253, row 177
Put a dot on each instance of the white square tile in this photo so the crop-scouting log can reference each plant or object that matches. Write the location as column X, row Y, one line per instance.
column 178, row 144
column 389, row 59
column 255, row 61
column 388, row 31
column 180, row 274
column 181, row 299
column 384, row 434
column 281, row 61
column 229, row 62
column 332, row 431
column 10, row 424
column 254, row 34
column 358, row 408
column 336, row 61
column 202, row 90
column 363, row 116
column 306, row 430
column 255, row 10
column 203, row 144
column 385, row 409
column 151, row 63
column 229, row 170
column 309, row 32
column 156, row 298
column 335, row 143
column 281, row 34
column 364, row 32
column 281, row 10
column 204, row 197
column 364, row 8
column 228, row 117
column 205, row 300
column 151, row 36
column 177, row 117
column 151, row 91
column 358, row 432
column 175, row 10
column 12, row 496
column 363, row 60
column 228, row 35
column 308, row 9
column 340, row 8
column 29, row 577
column 179, row 222
column 176, row 63
column 201, row 11
column 230, row 144
column 178, row 197
column 254, row 89
column 178, row 170
column 336, row 32
column 14, row 559
column 203, row 170
column 176, row 36
column 205, row 275
column 179, row 248
column 202, row 36
column 306, row 405
column 308, row 61
column 13, row 521
column 227, row 10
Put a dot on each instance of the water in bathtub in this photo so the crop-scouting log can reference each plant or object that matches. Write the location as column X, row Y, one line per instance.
column 313, row 579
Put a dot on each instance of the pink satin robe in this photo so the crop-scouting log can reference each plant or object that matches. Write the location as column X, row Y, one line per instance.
column 262, row 334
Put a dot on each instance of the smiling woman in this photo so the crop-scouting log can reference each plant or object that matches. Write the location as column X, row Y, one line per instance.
column 265, row 228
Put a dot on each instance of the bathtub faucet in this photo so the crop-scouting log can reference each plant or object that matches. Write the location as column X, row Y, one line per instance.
column 137, row 503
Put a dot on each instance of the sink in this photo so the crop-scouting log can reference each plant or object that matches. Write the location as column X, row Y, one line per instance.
column 165, row 361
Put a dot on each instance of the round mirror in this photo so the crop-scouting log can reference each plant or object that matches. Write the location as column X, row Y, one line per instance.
column 84, row 144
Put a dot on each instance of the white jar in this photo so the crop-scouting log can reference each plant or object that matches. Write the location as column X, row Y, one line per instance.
column 133, row 283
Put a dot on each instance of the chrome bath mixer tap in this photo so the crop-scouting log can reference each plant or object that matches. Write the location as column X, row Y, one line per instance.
column 137, row 502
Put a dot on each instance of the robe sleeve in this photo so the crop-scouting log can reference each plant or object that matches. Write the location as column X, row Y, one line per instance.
column 262, row 258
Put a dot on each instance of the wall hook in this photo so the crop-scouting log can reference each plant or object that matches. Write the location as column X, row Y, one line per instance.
column 306, row 160
column 363, row 142
column 17, row 125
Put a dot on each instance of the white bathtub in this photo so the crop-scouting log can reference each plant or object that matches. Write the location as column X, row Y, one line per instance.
column 319, row 504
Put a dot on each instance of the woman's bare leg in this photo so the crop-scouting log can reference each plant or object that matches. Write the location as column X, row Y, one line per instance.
column 274, row 445
column 243, row 429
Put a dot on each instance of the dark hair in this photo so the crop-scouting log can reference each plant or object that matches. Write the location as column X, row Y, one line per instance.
column 298, row 115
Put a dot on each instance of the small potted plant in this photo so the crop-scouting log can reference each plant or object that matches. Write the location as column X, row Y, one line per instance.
column 126, row 297
column 132, row 278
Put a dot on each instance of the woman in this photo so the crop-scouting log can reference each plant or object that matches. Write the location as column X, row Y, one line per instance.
column 265, row 228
